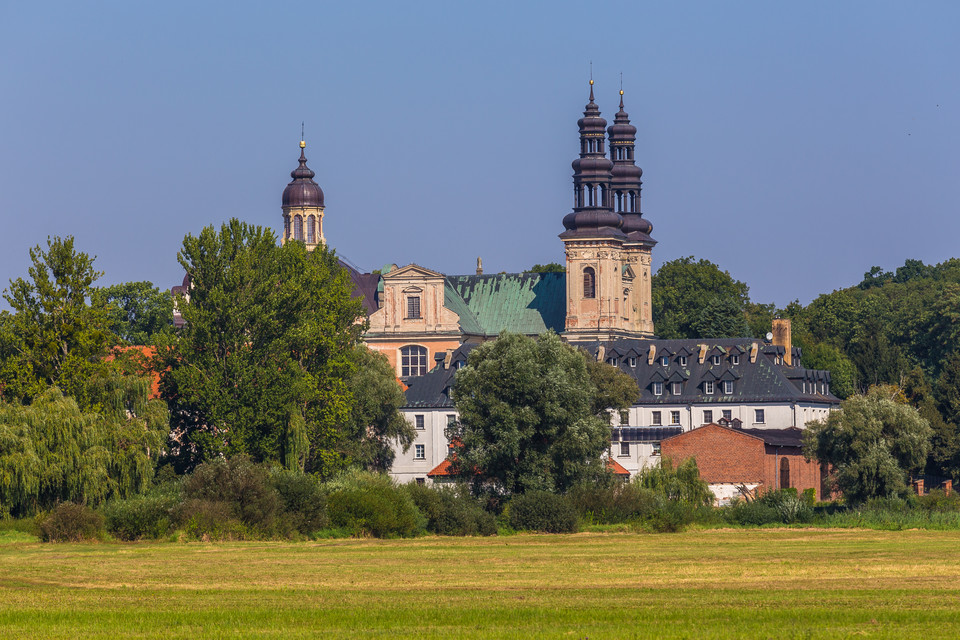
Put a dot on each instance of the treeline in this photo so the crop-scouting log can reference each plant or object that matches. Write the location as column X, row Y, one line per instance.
column 899, row 328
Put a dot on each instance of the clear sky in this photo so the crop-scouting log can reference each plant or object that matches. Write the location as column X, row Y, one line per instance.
column 794, row 144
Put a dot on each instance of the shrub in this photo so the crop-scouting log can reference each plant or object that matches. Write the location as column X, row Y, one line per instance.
column 681, row 484
column 542, row 511
column 452, row 511
column 372, row 504
column 211, row 520
column 302, row 501
column 938, row 501
column 70, row 522
column 242, row 486
column 613, row 503
column 147, row 516
column 780, row 506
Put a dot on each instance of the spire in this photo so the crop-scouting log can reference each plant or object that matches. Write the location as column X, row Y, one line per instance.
column 625, row 183
column 302, row 191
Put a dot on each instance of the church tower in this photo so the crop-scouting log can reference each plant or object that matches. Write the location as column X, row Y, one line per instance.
column 593, row 240
column 303, row 206
column 625, row 186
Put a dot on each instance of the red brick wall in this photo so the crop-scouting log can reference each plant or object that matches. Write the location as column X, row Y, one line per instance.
column 723, row 455
column 803, row 474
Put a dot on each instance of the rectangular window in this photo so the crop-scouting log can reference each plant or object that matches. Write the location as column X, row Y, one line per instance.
column 676, row 388
column 674, row 417
column 413, row 307
column 418, row 421
column 421, row 481
column 633, row 362
column 658, row 388
column 708, row 388
column 451, row 420
column 655, row 419
column 420, row 452
column 682, row 360
column 624, row 449
column 758, row 416
column 715, row 360
column 707, row 416
column 734, row 360
column 614, row 362
column 665, row 361
column 727, row 414
column 656, row 448
column 727, row 387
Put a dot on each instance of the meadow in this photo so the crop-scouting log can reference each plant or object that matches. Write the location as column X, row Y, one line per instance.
column 717, row 583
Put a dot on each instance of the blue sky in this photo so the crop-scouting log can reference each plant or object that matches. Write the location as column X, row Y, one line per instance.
column 794, row 144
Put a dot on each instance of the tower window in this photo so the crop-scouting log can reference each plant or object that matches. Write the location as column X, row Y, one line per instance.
column 413, row 361
column 298, row 228
column 589, row 283
column 413, row 307
column 311, row 230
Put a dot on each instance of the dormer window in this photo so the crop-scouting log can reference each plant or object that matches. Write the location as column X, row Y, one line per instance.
column 665, row 361
column 715, row 360
column 708, row 387
column 682, row 361
column 728, row 387
column 633, row 362
column 657, row 388
column 613, row 362
column 676, row 388
column 459, row 364
column 734, row 360
column 413, row 307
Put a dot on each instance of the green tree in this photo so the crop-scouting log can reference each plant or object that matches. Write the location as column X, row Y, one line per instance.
column 871, row 443
column 54, row 336
column 843, row 375
column 615, row 390
column 683, row 286
column 375, row 422
column 550, row 267
column 720, row 317
column 260, row 368
column 136, row 310
column 527, row 417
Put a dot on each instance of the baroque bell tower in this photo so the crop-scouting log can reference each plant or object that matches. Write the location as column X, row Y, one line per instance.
column 303, row 206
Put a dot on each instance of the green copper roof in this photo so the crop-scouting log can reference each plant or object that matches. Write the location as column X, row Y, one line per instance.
column 527, row 303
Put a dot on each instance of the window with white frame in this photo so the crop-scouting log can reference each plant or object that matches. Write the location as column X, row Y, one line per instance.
column 734, row 359
column 459, row 364
column 633, row 362
column 727, row 414
column 624, row 449
column 707, row 416
column 656, row 448
column 758, row 416
column 420, row 452
column 413, row 307
column 413, row 360
column 708, row 387
column 676, row 388
column 715, row 360
column 614, row 362
column 665, row 361
column 674, row 417
column 682, row 361
column 451, row 419
column 657, row 388
column 418, row 421
column 727, row 387
column 655, row 419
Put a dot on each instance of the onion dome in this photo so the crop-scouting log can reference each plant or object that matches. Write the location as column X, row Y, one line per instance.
column 302, row 191
column 634, row 223
column 599, row 221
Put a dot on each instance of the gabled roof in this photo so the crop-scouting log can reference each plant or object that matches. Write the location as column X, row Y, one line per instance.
column 526, row 303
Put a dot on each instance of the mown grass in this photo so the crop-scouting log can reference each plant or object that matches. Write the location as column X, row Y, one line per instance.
column 761, row 583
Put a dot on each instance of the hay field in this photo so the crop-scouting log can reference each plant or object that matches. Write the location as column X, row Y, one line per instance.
column 790, row 583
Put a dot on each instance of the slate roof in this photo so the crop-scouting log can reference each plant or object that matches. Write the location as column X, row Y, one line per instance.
column 364, row 284
column 432, row 390
column 527, row 303
column 789, row 437
column 643, row 434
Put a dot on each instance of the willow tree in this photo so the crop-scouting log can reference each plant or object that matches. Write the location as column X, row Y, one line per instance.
column 260, row 367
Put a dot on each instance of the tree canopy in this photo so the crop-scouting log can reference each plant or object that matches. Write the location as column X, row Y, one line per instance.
column 528, row 419
column 136, row 311
column 871, row 443
column 696, row 299
column 261, row 365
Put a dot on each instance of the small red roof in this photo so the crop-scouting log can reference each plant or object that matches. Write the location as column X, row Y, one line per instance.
column 442, row 469
column 617, row 468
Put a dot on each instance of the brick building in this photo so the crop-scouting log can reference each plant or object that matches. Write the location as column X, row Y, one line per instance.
column 752, row 458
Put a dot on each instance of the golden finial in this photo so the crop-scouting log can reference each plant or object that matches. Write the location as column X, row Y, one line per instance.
column 302, row 144
column 591, row 82
column 621, row 91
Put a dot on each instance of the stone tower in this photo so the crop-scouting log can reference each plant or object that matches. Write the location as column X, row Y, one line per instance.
column 303, row 206
column 625, row 185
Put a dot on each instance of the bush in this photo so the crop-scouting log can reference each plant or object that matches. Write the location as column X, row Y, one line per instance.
column 243, row 487
column 371, row 504
column 452, row 511
column 69, row 522
column 938, row 501
column 681, row 484
column 542, row 511
column 147, row 516
column 780, row 506
column 613, row 503
column 212, row 520
column 302, row 501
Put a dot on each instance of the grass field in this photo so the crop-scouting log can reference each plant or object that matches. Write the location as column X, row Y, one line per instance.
column 701, row 584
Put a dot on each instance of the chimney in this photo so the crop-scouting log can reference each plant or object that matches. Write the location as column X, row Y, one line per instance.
column 782, row 337
column 439, row 357
column 947, row 487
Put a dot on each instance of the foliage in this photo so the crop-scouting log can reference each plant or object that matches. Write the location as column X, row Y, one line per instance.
column 135, row 311
column 829, row 358
column 871, row 442
column 260, row 367
column 54, row 337
column 780, row 506
column 71, row 522
column 373, row 505
column 615, row 390
column 695, row 299
column 303, row 502
column 613, row 502
column 51, row 451
column 375, row 422
column 679, row 484
column 550, row 267
column 240, row 485
column 452, row 510
column 542, row 511
column 527, row 419
column 148, row 516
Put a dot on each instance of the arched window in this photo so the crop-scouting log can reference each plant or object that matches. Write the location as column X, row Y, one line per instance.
column 784, row 473
column 413, row 361
column 589, row 283
column 298, row 228
column 286, row 227
column 311, row 230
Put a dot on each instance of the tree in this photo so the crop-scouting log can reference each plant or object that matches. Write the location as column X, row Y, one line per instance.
column 843, row 375
column 136, row 310
column 683, row 286
column 54, row 336
column 720, row 317
column 871, row 443
column 260, row 368
column 527, row 417
column 550, row 267
column 375, row 421
column 616, row 391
